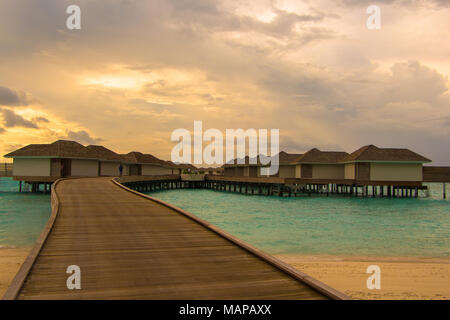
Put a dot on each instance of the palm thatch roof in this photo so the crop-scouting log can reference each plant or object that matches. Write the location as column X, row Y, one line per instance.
column 64, row 149
column 288, row 158
column 186, row 166
column 374, row 153
column 135, row 157
column 317, row 156
column 102, row 153
column 284, row 158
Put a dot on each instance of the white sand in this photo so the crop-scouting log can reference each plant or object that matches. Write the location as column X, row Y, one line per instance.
column 401, row 278
column 10, row 262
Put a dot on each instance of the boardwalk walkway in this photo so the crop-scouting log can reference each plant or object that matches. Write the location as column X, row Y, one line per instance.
column 130, row 247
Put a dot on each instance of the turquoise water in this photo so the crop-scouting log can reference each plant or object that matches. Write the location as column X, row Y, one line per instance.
column 22, row 215
column 311, row 225
column 333, row 225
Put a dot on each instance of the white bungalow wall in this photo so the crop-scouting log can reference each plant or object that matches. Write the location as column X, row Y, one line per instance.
column 110, row 169
column 328, row 171
column 395, row 172
column 31, row 167
column 155, row 170
column 84, row 168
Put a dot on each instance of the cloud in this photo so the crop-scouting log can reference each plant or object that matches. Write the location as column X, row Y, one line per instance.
column 12, row 147
column 406, row 3
column 9, row 97
column 412, row 81
column 291, row 145
column 309, row 68
column 82, row 137
column 11, row 119
column 41, row 119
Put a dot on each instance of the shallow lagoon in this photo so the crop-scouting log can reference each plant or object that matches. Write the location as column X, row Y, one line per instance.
column 316, row 225
column 335, row 225
column 22, row 215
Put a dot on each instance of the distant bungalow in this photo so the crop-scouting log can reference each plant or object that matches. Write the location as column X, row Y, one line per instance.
column 211, row 171
column 251, row 167
column 369, row 163
column 48, row 162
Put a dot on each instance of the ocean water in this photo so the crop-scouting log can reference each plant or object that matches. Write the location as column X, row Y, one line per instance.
column 335, row 225
column 312, row 225
column 22, row 215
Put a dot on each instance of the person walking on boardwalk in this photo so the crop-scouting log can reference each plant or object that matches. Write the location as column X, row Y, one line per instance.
column 120, row 169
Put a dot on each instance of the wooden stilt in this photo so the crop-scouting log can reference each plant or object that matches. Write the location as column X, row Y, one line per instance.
column 444, row 192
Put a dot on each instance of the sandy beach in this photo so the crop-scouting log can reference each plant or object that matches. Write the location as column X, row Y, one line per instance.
column 10, row 261
column 401, row 278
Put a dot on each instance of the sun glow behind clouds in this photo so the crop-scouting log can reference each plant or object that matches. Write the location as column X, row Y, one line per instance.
column 116, row 82
column 119, row 77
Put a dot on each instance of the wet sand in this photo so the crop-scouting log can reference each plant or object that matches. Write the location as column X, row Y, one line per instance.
column 401, row 278
column 10, row 261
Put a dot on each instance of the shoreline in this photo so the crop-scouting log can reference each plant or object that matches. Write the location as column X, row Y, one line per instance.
column 11, row 258
column 402, row 278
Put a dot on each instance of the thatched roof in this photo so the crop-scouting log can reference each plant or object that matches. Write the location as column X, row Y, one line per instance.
column 317, row 156
column 57, row 149
column 284, row 159
column 186, row 166
column 75, row 150
column 135, row 157
column 102, row 153
column 170, row 164
column 288, row 158
column 373, row 153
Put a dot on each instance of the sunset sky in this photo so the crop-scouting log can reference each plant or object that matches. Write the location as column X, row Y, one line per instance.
column 137, row 70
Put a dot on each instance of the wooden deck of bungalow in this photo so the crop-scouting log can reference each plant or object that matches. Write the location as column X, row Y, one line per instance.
column 130, row 246
column 5, row 169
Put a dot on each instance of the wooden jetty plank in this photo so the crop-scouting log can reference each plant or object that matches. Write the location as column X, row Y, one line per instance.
column 129, row 247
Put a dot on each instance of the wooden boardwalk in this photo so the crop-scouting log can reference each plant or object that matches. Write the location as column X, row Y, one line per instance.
column 131, row 247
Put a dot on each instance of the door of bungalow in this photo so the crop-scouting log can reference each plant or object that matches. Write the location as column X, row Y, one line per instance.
column 135, row 170
column 66, row 167
column 253, row 171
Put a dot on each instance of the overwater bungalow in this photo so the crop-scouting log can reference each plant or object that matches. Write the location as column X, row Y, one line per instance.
column 45, row 163
column 254, row 168
column 58, row 159
column 109, row 161
column 371, row 163
column 287, row 165
column 386, row 170
column 211, row 171
column 243, row 167
column 317, row 164
column 140, row 164
column 175, row 169
column 187, row 167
